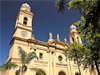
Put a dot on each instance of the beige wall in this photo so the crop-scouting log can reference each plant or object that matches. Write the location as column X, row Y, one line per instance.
column 49, row 64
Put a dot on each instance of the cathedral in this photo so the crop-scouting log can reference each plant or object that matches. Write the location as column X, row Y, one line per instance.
column 51, row 58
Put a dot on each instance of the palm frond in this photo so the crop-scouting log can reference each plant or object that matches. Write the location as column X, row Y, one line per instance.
column 30, row 56
column 3, row 68
column 39, row 71
column 22, row 55
column 7, row 66
column 60, row 5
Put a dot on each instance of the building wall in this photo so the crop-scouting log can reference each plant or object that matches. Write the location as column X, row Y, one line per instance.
column 49, row 63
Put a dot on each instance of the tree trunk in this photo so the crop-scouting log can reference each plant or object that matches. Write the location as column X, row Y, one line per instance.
column 21, row 71
column 77, row 63
column 97, row 68
column 78, row 66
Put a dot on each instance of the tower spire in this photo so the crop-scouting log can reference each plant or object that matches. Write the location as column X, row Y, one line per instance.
column 73, row 28
column 23, row 27
column 74, row 36
column 26, row 5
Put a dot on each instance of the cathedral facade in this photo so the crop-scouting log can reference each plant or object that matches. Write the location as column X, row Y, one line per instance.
column 52, row 60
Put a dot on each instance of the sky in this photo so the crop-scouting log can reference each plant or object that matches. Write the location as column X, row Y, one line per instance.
column 46, row 19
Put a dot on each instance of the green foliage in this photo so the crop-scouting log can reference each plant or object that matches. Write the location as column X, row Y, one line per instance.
column 70, row 52
column 25, row 59
column 7, row 66
column 22, row 55
column 81, row 54
column 60, row 4
column 78, row 52
column 30, row 56
column 88, row 27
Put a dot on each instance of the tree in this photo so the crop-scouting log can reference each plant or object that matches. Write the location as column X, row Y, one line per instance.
column 88, row 26
column 7, row 66
column 25, row 59
column 76, row 52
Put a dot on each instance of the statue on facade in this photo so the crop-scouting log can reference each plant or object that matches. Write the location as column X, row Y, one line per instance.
column 58, row 37
column 50, row 35
column 65, row 40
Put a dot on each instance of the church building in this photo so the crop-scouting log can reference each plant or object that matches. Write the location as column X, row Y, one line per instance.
column 51, row 58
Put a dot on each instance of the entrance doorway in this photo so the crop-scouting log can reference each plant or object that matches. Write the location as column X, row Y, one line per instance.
column 61, row 73
column 40, row 72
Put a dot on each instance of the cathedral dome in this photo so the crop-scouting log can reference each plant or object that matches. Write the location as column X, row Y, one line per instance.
column 72, row 27
column 26, row 5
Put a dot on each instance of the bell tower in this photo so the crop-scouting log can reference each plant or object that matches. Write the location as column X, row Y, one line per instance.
column 22, row 32
column 74, row 36
column 23, row 27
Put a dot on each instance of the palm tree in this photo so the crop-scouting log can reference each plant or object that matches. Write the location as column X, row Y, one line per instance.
column 25, row 59
column 7, row 66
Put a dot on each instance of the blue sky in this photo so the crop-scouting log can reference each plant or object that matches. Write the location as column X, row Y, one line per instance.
column 46, row 19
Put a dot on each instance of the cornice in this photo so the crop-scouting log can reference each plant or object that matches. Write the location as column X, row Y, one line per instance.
column 23, row 11
column 73, row 33
column 36, row 42
column 24, row 25
column 27, row 12
column 60, row 42
column 21, row 28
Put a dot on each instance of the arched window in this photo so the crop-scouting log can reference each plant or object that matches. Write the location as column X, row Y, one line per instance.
column 61, row 73
column 39, row 73
column 72, row 39
column 25, row 20
column 77, row 38
column 60, row 58
column 18, row 72
column 77, row 73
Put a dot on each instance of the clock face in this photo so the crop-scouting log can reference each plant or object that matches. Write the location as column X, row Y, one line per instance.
column 24, row 33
